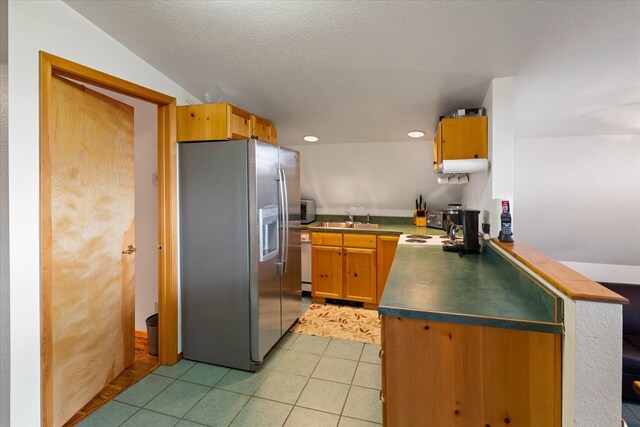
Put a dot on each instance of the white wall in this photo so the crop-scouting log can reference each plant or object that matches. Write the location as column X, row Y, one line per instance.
column 485, row 191
column 4, row 222
column 598, row 367
column 146, row 164
column 146, row 205
column 54, row 27
column 580, row 201
column 381, row 178
column 576, row 149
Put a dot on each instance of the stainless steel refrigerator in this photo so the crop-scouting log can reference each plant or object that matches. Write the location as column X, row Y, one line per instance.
column 239, row 249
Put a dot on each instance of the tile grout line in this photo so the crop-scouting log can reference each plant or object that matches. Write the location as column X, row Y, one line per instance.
column 295, row 404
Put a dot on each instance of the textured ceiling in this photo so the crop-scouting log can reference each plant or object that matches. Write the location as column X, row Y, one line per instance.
column 357, row 71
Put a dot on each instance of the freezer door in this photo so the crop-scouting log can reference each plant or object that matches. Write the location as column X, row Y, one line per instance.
column 214, row 253
column 291, row 276
column 264, row 243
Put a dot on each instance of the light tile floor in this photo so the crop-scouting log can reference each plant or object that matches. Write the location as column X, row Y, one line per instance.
column 306, row 381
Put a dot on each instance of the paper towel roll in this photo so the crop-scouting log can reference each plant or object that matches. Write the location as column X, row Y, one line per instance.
column 465, row 166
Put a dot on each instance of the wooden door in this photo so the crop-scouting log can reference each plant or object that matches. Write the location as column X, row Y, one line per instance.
column 326, row 271
column 92, row 223
column 360, row 275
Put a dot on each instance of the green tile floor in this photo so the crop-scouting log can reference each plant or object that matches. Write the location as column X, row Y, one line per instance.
column 306, row 381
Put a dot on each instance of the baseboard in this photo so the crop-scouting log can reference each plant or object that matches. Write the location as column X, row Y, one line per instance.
column 141, row 334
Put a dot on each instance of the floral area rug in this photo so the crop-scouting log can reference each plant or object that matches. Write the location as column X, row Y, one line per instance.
column 343, row 322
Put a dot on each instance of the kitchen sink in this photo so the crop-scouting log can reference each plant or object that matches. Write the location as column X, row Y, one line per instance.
column 367, row 226
column 334, row 224
column 355, row 225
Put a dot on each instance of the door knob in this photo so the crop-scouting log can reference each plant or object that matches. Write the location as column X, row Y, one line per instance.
column 130, row 250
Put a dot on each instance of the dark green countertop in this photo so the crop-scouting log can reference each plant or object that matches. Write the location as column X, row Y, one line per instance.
column 478, row 289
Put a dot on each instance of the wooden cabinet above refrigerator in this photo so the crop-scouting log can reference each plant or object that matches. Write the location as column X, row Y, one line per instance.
column 221, row 121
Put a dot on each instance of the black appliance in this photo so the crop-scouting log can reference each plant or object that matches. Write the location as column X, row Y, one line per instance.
column 470, row 243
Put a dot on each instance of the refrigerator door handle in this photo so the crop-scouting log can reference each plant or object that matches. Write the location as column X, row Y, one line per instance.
column 281, row 197
column 286, row 221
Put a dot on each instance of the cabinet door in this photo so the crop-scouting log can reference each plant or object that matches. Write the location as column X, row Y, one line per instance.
column 387, row 246
column 202, row 122
column 239, row 123
column 437, row 147
column 273, row 137
column 326, row 271
column 360, row 274
column 464, row 138
column 261, row 128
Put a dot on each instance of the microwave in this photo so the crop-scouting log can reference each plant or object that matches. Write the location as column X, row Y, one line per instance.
column 438, row 219
column 307, row 211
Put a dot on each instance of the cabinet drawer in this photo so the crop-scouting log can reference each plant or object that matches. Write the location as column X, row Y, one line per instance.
column 326, row 239
column 360, row 240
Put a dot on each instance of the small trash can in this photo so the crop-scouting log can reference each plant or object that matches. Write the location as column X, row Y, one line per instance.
column 152, row 333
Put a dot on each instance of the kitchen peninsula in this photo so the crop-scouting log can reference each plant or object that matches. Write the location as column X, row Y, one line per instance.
column 487, row 339
column 505, row 337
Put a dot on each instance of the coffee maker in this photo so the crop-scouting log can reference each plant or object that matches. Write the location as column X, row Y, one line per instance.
column 466, row 221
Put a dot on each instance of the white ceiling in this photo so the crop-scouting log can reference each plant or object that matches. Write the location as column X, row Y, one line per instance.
column 364, row 71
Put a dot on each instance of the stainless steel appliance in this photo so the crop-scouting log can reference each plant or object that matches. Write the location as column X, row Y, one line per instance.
column 239, row 249
column 439, row 219
column 435, row 219
column 307, row 211
column 467, row 224
column 305, row 241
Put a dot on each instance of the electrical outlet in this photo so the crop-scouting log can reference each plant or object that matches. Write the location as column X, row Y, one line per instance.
column 154, row 179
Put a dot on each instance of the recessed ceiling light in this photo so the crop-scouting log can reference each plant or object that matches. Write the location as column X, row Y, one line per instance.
column 416, row 134
column 310, row 138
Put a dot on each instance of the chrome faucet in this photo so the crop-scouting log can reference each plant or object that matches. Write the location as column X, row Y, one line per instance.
column 350, row 215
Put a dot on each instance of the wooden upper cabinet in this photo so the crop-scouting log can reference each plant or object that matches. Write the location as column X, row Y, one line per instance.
column 437, row 147
column 262, row 129
column 239, row 123
column 212, row 122
column 460, row 138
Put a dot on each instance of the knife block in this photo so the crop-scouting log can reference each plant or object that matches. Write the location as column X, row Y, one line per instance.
column 420, row 218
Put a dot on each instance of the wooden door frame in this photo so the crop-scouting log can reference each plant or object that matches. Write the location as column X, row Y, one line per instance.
column 167, row 212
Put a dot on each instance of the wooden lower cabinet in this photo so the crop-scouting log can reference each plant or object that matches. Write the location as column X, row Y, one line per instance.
column 448, row 374
column 326, row 271
column 360, row 275
column 344, row 272
column 387, row 246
